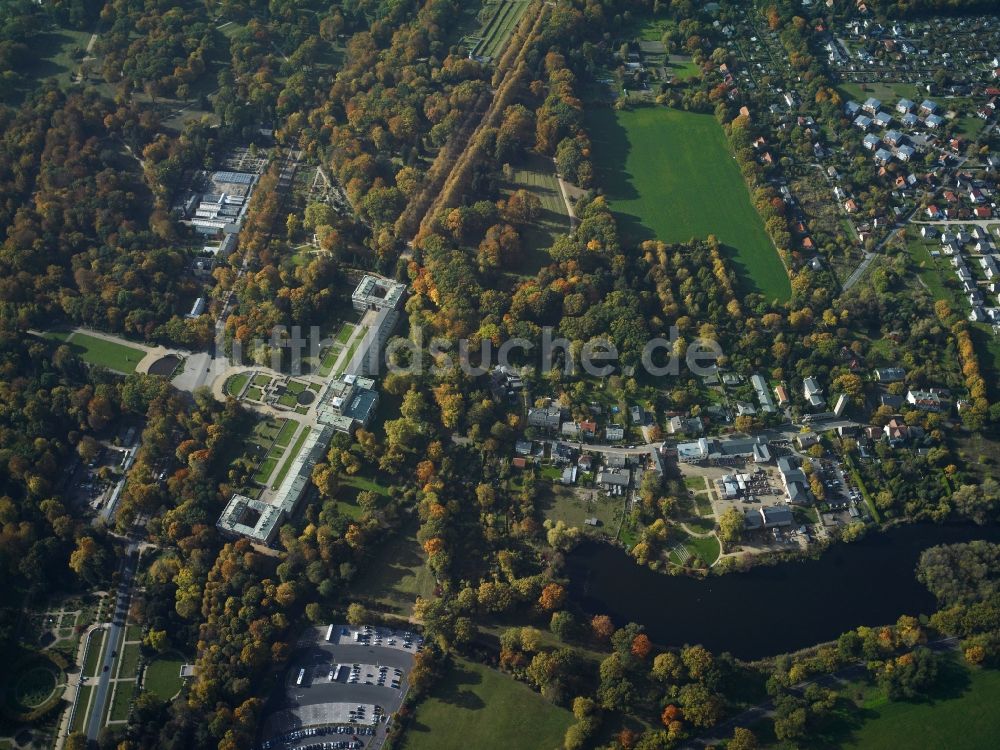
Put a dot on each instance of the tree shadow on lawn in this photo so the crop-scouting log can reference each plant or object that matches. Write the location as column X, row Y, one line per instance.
column 611, row 141
column 455, row 690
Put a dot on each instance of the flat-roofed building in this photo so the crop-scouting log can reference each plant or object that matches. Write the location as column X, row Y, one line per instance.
column 377, row 293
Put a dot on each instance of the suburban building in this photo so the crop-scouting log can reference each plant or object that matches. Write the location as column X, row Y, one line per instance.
column 793, row 479
column 614, row 481
column 545, row 417
column 505, row 384
column 781, row 394
column 776, row 516
column 925, row 400
column 896, row 431
column 569, row 430
column 692, row 453
column 806, row 440
column 763, row 393
column 812, row 392
column 614, row 432
column 890, row 374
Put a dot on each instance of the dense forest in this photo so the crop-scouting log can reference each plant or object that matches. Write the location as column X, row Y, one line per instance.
column 421, row 138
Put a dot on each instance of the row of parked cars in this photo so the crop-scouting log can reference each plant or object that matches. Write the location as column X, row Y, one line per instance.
column 298, row 734
column 383, row 676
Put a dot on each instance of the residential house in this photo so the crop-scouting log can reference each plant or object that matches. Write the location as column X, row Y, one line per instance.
column 562, row 453
column 615, row 482
column 545, row 417
column 925, row 400
column 570, row 430
column 782, row 395
column 793, row 479
column 776, row 516
column 614, row 432
column 896, row 431
column 812, row 392
column 890, row 374
column 806, row 440
column 871, row 105
column 871, row 141
column 763, row 393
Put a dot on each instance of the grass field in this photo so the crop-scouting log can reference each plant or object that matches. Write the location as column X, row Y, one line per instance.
column 670, row 175
column 120, row 703
column 351, row 487
column 286, row 432
column 350, row 353
column 682, row 68
column 82, row 703
column 562, row 504
column 234, row 386
column 477, row 707
column 396, row 576
column 499, row 28
column 94, row 654
column 959, row 714
column 344, row 334
column 289, row 457
column 56, row 54
column 105, row 353
column 537, row 175
column 128, row 661
column 163, row 678
column 888, row 93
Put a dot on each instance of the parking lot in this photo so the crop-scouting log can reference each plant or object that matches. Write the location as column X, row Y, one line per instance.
column 341, row 679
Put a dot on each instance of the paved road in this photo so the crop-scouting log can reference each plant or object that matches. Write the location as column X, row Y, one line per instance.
column 113, row 647
column 869, row 257
column 107, row 513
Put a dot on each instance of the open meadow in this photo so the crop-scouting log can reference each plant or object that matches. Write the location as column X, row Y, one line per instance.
column 476, row 707
column 670, row 175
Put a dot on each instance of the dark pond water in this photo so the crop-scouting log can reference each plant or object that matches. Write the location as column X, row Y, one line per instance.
column 768, row 610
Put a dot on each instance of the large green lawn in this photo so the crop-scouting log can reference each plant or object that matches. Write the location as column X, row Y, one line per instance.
column 477, row 707
column 670, row 175
column 163, row 676
column 104, row 353
column 962, row 717
column 396, row 575
column 537, row 175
